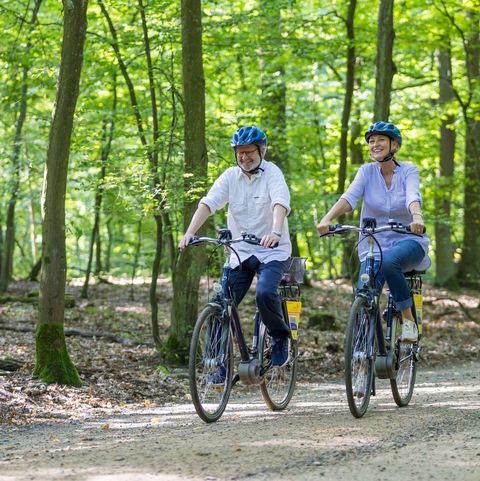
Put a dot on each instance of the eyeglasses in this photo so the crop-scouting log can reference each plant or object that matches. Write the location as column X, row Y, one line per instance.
column 248, row 153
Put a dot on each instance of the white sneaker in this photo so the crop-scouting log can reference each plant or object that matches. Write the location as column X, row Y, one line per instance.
column 409, row 331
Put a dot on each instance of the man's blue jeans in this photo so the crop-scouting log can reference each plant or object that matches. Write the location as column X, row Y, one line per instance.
column 401, row 258
column 267, row 297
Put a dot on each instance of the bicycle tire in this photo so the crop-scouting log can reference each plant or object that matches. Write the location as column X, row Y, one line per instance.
column 278, row 383
column 210, row 400
column 359, row 359
column 403, row 384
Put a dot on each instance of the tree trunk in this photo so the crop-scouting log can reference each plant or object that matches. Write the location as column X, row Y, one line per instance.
column 53, row 363
column 274, row 89
column 445, row 268
column 190, row 264
column 470, row 264
column 107, row 137
column 385, row 68
column 347, row 100
column 348, row 246
column 6, row 266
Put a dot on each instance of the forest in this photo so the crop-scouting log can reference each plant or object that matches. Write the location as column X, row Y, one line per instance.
column 116, row 117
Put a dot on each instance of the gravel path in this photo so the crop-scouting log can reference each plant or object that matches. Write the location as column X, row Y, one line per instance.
column 436, row 438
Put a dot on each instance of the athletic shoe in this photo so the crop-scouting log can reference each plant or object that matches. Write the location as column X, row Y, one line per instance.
column 409, row 331
column 279, row 351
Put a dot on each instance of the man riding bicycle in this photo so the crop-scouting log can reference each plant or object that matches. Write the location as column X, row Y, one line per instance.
column 258, row 203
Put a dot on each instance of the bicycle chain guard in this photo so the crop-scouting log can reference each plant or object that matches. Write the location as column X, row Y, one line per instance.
column 250, row 372
column 385, row 366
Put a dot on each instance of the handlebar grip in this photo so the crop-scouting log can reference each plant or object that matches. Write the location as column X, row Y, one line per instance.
column 407, row 228
column 334, row 227
column 194, row 240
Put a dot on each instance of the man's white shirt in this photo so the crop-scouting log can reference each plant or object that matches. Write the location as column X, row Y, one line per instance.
column 250, row 209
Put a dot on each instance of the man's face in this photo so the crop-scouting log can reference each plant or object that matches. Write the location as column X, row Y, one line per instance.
column 248, row 157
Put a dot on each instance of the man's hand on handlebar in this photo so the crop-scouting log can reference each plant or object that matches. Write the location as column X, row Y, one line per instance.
column 186, row 239
column 270, row 240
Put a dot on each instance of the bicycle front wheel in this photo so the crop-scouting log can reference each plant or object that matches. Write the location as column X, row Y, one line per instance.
column 211, row 364
column 402, row 386
column 279, row 382
column 359, row 357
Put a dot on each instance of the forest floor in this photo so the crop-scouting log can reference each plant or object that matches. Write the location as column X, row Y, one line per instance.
column 129, row 390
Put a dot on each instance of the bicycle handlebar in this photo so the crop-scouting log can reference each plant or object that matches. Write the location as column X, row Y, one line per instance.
column 370, row 230
column 248, row 238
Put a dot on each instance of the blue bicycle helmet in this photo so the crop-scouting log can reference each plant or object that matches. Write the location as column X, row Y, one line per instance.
column 384, row 128
column 248, row 135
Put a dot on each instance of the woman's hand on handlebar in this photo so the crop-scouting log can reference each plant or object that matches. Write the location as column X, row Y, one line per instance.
column 324, row 226
column 417, row 227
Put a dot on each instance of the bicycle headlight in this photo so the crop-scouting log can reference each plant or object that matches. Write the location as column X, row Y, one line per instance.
column 365, row 278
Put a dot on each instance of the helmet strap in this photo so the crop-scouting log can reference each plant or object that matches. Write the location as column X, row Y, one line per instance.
column 390, row 156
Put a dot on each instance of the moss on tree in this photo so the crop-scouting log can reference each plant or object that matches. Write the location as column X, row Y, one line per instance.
column 53, row 364
column 175, row 351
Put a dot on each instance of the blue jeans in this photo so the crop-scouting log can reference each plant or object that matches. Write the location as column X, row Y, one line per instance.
column 268, row 300
column 399, row 259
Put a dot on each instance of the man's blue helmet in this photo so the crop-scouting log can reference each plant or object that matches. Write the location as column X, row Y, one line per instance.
column 248, row 135
column 384, row 128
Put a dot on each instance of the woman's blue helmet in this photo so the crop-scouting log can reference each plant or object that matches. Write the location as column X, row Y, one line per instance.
column 384, row 128
column 248, row 135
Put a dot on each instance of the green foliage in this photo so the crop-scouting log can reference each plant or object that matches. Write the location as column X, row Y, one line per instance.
column 247, row 45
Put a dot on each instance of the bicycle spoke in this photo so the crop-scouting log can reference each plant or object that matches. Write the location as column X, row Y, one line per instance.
column 404, row 383
column 279, row 382
column 358, row 358
column 211, row 365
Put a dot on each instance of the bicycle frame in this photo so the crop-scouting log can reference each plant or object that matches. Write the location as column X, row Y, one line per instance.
column 393, row 359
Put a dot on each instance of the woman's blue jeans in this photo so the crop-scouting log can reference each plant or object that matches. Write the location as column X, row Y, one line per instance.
column 403, row 257
column 267, row 296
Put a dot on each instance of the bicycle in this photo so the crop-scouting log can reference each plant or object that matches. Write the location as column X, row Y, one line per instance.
column 212, row 350
column 369, row 352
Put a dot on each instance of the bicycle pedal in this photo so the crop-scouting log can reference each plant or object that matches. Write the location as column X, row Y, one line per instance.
column 416, row 354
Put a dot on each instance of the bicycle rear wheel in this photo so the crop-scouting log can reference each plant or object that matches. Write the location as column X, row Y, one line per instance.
column 402, row 386
column 279, row 382
column 211, row 364
column 358, row 357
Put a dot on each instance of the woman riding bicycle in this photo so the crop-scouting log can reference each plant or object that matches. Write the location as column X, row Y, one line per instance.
column 390, row 190
column 259, row 201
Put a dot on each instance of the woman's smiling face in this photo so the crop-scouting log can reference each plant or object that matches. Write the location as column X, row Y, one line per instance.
column 380, row 146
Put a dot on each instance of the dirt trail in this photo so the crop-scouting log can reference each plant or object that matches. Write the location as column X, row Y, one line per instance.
column 436, row 437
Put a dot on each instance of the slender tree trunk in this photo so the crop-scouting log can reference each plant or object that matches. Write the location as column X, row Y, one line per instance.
column 348, row 246
column 107, row 137
column 6, row 266
column 347, row 100
column 385, row 68
column 157, row 185
column 274, row 89
column 190, row 264
column 445, row 267
column 136, row 257
column 53, row 363
column 470, row 264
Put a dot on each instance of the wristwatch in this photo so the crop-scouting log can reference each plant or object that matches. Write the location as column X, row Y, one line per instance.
column 279, row 234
